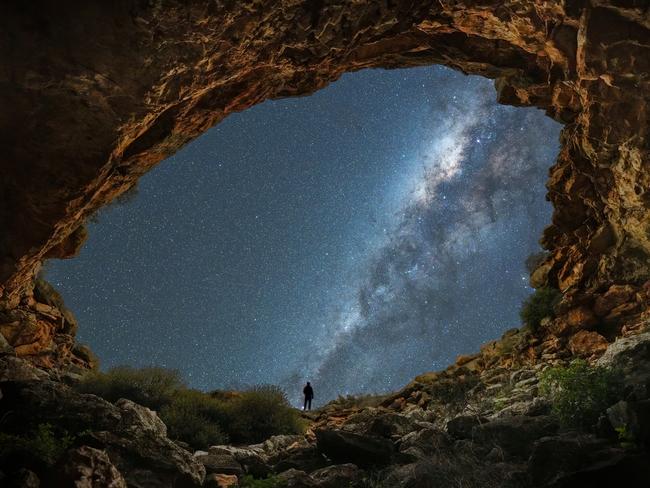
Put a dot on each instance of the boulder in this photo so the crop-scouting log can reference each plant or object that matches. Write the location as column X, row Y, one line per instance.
column 276, row 454
column 220, row 464
column 252, row 459
column 133, row 436
column 587, row 343
column 302, row 456
column 421, row 474
column 337, row 475
column 349, row 447
column 5, row 347
column 423, row 444
column 461, row 427
column 278, row 443
column 136, row 416
column 453, row 471
column 514, row 435
column 23, row 478
column 16, row 369
column 87, row 467
column 581, row 317
column 529, row 408
column 632, row 420
column 382, row 422
column 631, row 356
column 583, row 461
column 554, row 455
column 627, row 469
column 616, row 296
column 294, row 478
column 214, row 480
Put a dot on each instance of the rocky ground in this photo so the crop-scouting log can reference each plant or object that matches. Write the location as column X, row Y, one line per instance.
column 481, row 422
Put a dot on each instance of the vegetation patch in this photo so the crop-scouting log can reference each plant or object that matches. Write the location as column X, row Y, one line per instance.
column 152, row 387
column 580, row 393
column 259, row 413
column 42, row 444
column 195, row 418
column 192, row 416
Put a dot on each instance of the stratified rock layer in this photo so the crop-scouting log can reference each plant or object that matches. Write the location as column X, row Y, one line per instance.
column 95, row 94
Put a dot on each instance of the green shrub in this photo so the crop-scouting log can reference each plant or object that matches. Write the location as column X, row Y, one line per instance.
column 539, row 305
column 260, row 413
column 269, row 482
column 42, row 443
column 152, row 387
column 580, row 393
column 196, row 418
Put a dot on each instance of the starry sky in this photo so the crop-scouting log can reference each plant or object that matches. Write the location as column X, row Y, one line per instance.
column 354, row 238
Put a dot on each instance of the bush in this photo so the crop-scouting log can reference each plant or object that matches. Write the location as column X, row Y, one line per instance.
column 152, row 387
column 260, row 413
column 41, row 444
column 539, row 305
column 196, row 418
column 580, row 393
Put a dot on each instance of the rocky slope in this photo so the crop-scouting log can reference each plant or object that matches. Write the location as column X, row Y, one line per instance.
column 94, row 95
column 465, row 426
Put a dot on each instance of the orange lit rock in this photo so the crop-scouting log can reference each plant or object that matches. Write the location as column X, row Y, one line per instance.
column 587, row 343
column 220, row 481
column 616, row 296
column 581, row 318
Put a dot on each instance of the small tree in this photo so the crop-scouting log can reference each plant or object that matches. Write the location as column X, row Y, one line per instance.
column 539, row 305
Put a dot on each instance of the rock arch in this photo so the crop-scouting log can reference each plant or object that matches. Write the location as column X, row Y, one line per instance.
column 94, row 94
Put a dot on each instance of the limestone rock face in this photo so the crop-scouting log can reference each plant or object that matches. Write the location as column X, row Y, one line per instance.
column 80, row 126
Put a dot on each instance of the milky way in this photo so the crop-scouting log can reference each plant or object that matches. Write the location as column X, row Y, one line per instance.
column 356, row 238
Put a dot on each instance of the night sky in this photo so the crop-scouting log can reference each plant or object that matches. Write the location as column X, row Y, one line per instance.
column 354, row 238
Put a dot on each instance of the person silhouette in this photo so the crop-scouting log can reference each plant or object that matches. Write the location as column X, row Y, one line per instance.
column 308, row 391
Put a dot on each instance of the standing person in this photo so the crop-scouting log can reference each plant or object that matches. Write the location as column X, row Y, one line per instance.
column 308, row 391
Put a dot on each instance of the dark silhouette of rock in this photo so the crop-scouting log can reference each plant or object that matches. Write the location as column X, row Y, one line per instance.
column 133, row 436
column 220, row 464
column 461, row 427
column 514, row 435
column 349, row 447
column 337, row 475
column 86, row 467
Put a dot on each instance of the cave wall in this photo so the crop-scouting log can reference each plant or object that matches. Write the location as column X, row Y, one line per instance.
column 96, row 93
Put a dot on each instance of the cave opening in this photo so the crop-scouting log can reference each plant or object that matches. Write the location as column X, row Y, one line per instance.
column 387, row 216
column 95, row 95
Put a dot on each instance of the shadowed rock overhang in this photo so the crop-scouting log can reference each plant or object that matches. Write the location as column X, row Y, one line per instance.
column 94, row 94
